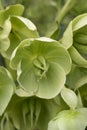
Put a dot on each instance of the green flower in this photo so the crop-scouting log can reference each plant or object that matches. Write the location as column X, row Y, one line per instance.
column 42, row 65
column 75, row 40
column 69, row 120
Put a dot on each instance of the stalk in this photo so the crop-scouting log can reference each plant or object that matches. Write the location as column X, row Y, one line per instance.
column 63, row 12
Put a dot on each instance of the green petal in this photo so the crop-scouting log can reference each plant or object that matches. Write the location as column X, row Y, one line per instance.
column 80, row 37
column 14, row 42
column 22, row 93
column 77, row 77
column 27, row 78
column 81, row 48
column 11, row 10
column 28, row 29
column 30, row 83
column 69, row 120
column 79, row 22
column 6, row 89
column 51, row 85
column 4, row 33
column 6, row 124
column 69, row 97
column 67, row 39
column 77, row 58
column 14, row 10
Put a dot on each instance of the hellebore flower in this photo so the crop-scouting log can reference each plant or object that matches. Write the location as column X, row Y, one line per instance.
column 69, row 120
column 75, row 40
column 42, row 65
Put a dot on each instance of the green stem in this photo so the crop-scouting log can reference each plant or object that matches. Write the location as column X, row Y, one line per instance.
column 66, row 8
column 1, row 5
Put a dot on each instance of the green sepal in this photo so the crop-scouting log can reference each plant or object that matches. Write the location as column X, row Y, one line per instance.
column 7, row 87
column 69, row 97
column 11, row 10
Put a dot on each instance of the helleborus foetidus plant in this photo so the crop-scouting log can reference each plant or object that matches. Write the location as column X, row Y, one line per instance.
column 48, row 91
column 36, row 66
column 75, row 40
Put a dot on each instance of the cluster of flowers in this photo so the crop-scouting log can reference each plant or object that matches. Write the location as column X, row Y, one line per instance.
column 42, row 75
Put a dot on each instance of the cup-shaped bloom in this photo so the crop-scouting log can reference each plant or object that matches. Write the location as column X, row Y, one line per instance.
column 6, row 88
column 42, row 65
column 75, row 40
column 69, row 120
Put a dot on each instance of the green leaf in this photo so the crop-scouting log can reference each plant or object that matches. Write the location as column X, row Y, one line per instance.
column 69, row 120
column 69, row 97
column 6, row 89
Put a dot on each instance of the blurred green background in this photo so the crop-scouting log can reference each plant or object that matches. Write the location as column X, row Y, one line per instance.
column 43, row 12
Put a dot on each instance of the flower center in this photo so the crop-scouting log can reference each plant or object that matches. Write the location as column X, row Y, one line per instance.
column 40, row 67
